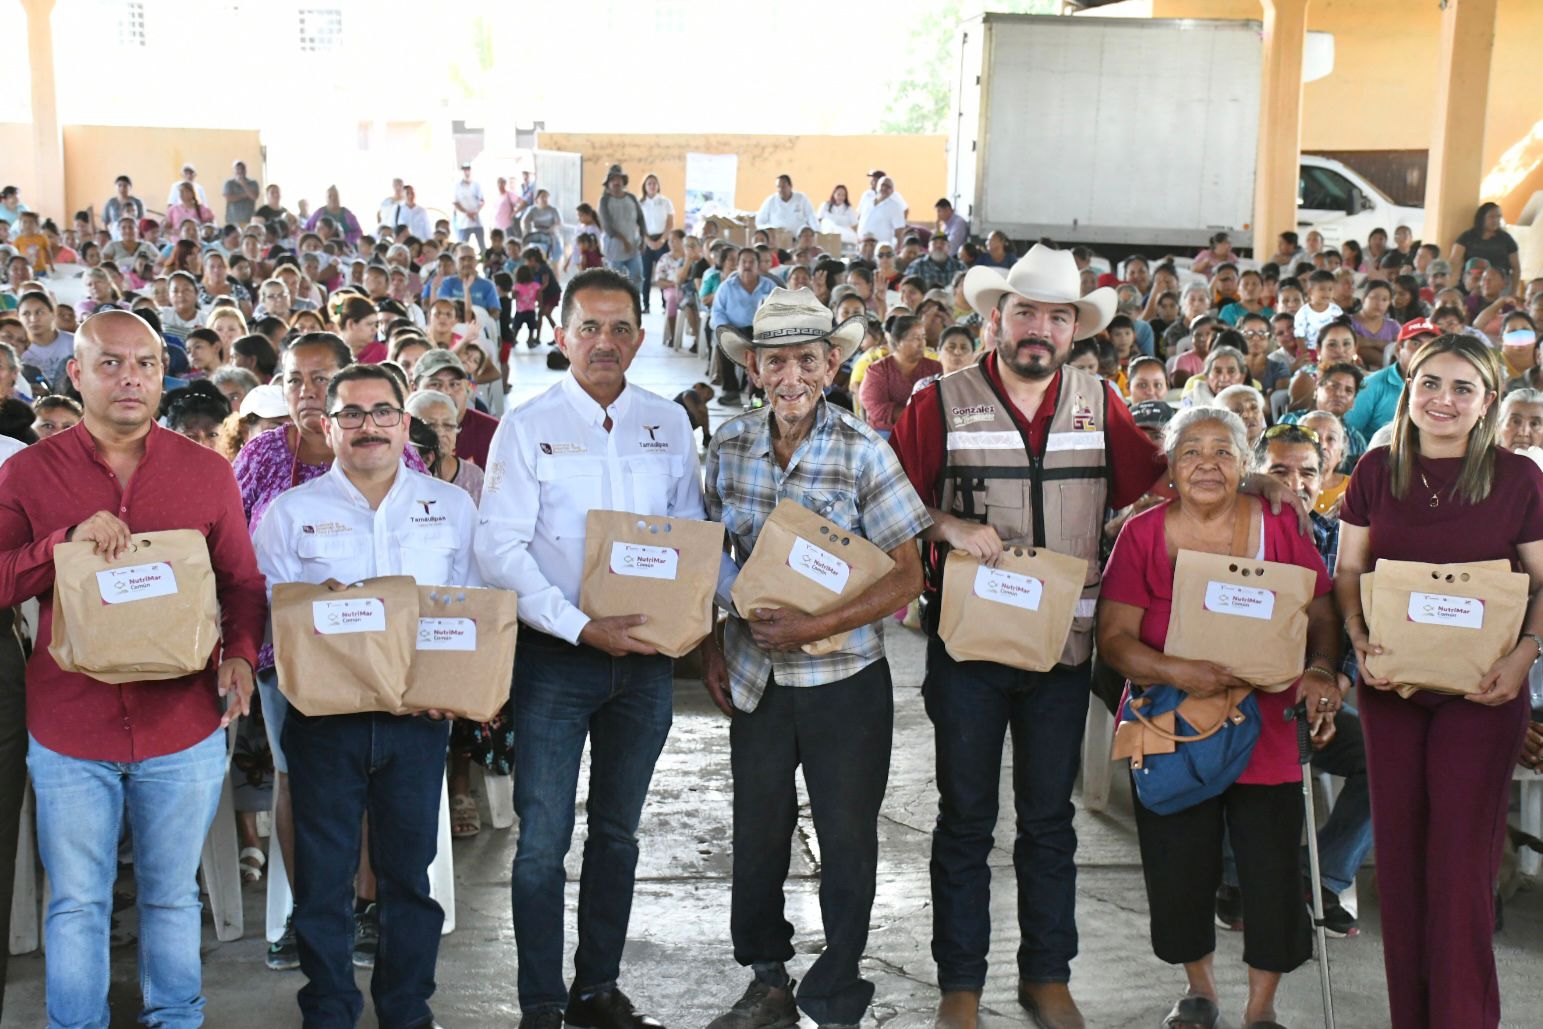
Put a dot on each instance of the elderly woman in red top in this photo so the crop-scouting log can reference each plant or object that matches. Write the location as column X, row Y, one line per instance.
column 1181, row 852
column 1440, row 764
column 891, row 380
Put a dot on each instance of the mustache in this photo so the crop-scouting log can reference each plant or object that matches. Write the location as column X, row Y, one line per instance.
column 1037, row 341
column 366, row 440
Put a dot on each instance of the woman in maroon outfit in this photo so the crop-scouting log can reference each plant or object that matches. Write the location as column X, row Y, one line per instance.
column 1440, row 764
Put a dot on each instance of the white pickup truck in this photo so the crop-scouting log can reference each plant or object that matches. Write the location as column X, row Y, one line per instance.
column 1131, row 132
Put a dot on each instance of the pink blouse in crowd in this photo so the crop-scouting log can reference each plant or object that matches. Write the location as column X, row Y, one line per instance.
column 886, row 388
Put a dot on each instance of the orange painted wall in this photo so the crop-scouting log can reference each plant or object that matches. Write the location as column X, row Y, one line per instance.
column 1380, row 94
column 816, row 163
column 95, row 155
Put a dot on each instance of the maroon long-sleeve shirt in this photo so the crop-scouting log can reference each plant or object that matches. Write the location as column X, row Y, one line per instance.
column 51, row 487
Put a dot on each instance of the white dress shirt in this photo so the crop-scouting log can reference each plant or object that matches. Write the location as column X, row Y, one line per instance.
column 550, row 462
column 884, row 218
column 869, row 197
column 792, row 214
column 325, row 529
column 415, row 217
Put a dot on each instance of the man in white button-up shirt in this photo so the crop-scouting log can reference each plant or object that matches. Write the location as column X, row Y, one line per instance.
column 786, row 209
column 369, row 515
column 591, row 441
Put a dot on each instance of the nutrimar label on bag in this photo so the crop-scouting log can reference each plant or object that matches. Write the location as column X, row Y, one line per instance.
column 644, row 562
column 1440, row 609
column 447, row 634
column 1011, row 588
column 337, row 617
column 819, row 565
column 136, row 582
column 1227, row 598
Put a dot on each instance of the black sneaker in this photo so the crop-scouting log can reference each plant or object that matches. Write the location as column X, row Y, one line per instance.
column 284, row 953
column 1229, row 908
column 545, row 1018
column 762, row 1007
column 366, row 936
column 1337, row 922
column 608, row 1010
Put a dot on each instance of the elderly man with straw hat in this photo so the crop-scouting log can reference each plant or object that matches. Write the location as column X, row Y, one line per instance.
column 1020, row 447
column 622, row 221
column 834, row 713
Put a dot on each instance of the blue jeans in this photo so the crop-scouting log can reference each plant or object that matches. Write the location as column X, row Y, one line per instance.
column 973, row 704
column 842, row 734
column 343, row 766
column 467, row 232
column 631, row 267
column 169, row 801
column 562, row 695
column 275, row 709
column 1346, row 836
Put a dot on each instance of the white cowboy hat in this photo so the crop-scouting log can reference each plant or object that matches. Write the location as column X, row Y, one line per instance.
column 1046, row 275
column 788, row 318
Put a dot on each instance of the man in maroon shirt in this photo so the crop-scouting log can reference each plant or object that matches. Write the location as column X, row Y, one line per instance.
column 152, row 750
column 1023, row 448
column 442, row 371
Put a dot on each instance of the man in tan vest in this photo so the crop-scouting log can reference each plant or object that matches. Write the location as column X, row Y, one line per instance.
column 1018, row 448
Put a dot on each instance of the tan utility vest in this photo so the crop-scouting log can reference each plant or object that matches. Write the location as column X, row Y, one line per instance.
column 1055, row 499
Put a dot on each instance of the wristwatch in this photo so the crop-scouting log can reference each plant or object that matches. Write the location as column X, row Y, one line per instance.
column 1537, row 642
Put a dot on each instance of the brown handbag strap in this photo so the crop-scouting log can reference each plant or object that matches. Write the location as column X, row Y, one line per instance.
column 1234, row 697
column 1242, row 518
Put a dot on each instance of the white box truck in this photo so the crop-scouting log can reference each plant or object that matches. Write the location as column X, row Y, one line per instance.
column 1129, row 132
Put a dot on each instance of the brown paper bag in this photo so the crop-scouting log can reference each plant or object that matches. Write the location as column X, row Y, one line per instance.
column 665, row 568
column 1442, row 627
column 149, row 615
column 463, row 654
column 1248, row 616
column 346, row 652
column 811, row 565
column 1016, row 614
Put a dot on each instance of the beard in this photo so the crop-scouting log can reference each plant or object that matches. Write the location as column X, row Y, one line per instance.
column 1031, row 357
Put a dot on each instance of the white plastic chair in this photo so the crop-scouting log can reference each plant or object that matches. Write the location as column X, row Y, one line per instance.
column 441, row 877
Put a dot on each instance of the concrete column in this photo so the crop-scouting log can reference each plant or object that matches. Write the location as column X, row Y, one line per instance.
column 1280, row 121
column 47, row 195
column 1457, row 137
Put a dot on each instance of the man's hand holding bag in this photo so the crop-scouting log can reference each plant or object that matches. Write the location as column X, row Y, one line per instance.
column 665, row 568
column 1017, row 614
column 803, row 562
column 463, row 652
column 348, row 651
column 149, row 614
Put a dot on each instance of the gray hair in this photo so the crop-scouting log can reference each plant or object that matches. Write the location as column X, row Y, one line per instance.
column 230, row 373
column 1240, row 390
column 419, row 404
column 8, row 354
column 1216, row 353
column 1520, row 396
column 1190, row 417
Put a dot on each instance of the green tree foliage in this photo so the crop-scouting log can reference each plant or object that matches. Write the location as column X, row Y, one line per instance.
column 919, row 95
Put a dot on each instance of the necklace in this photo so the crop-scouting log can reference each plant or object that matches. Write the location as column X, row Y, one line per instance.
column 1435, row 495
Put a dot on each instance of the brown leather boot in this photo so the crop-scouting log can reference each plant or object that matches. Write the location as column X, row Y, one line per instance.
column 959, row 1009
column 1050, row 1005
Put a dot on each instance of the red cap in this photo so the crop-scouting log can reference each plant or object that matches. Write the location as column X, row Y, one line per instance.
column 146, row 224
column 1417, row 327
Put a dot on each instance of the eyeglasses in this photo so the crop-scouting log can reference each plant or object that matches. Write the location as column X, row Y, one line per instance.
column 1275, row 431
column 1256, row 334
column 352, row 418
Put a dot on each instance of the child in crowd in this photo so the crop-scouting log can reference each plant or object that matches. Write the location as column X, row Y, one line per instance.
column 1319, row 311
column 32, row 244
column 527, row 297
column 504, row 283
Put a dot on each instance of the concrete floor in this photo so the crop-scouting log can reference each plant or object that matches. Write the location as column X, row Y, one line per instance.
column 679, row 964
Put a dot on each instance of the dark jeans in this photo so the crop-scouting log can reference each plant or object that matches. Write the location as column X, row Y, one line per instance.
column 973, row 704
column 340, row 767
column 842, row 734
column 13, row 767
column 651, row 254
column 563, row 695
column 1181, row 862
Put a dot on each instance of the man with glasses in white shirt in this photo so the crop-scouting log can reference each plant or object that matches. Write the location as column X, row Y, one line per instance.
column 593, row 441
column 369, row 515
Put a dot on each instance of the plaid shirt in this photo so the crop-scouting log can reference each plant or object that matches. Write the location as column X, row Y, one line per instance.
column 843, row 472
